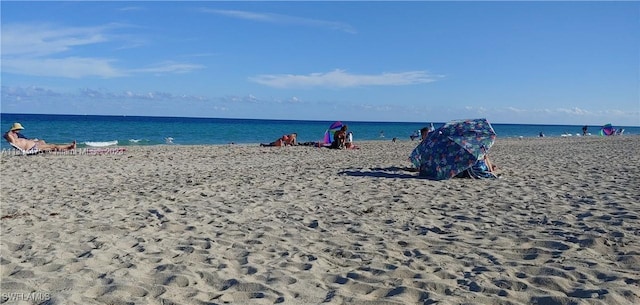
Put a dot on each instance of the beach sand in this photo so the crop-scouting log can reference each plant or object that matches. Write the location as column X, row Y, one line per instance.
column 243, row 224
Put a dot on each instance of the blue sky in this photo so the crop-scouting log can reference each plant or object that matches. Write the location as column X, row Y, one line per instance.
column 511, row 62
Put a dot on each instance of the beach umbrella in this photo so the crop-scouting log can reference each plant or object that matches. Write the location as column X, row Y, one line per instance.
column 607, row 130
column 453, row 148
column 329, row 132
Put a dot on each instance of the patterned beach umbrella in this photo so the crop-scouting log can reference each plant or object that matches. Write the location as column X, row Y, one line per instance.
column 452, row 148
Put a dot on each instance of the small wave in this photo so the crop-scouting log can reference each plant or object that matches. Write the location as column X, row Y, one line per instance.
column 137, row 142
column 101, row 144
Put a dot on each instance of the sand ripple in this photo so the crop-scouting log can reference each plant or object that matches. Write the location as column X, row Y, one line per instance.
column 301, row 225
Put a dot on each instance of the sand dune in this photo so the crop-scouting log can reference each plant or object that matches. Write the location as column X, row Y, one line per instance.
column 301, row 225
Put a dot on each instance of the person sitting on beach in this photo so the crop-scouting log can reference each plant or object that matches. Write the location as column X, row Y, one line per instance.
column 348, row 140
column 14, row 137
column 340, row 138
column 348, row 144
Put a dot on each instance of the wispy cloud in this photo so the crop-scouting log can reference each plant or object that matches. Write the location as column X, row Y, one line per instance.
column 168, row 67
column 342, row 79
column 15, row 93
column 573, row 111
column 70, row 67
column 44, row 39
column 284, row 19
column 516, row 110
column 233, row 99
column 20, row 93
column 41, row 50
column 561, row 115
column 132, row 95
column 34, row 98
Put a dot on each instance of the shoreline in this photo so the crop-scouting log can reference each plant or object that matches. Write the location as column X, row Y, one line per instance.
column 83, row 147
column 188, row 224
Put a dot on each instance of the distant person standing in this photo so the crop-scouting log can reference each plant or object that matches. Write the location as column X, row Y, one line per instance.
column 584, row 130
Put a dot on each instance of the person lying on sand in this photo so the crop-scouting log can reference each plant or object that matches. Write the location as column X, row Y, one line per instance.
column 285, row 140
column 291, row 139
column 13, row 136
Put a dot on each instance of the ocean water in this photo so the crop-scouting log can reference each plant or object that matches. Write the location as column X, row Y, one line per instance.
column 138, row 130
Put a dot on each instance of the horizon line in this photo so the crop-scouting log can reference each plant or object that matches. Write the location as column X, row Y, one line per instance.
column 299, row 120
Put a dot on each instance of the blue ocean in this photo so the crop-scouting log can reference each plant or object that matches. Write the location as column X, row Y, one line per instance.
column 97, row 130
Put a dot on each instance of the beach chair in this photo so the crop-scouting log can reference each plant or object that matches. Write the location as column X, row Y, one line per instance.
column 32, row 151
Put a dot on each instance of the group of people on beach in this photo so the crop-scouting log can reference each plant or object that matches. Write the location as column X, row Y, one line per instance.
column 342, row 139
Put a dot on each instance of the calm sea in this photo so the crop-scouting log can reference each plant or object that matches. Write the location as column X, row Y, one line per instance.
column 138, row 130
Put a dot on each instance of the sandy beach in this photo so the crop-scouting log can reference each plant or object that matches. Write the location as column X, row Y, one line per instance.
column 242, row 224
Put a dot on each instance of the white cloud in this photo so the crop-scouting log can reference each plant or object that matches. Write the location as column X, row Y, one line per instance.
column 342, row 79
column 560, row 115
column 39, row 50
column 70, row 67
column 34, row 99
column 10, row 93
column 573, row 111
column 284, row 19
column 516, row 110
column 168, row 67
column 42, row 39
column 252, row 99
